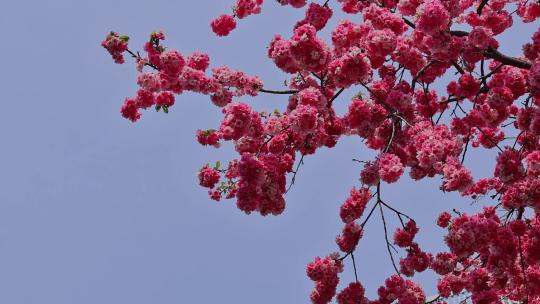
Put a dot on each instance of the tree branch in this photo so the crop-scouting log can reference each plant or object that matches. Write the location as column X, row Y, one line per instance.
column 518, row 63
column 481, row 7
column 286, row 92
column 409, row 23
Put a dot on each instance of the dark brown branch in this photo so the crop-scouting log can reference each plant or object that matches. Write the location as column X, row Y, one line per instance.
column 409, row 23
column 388, row 245
column 458, row 67
column 466, row 146
column 138, row 57
column 391, row 139
column 301, row 162
column 481, row 7
column 459, row 33
column 369, row 215
column 434, row 300
column 286, row 92
column 518, row 63
column 354, row 266
column 335, row 96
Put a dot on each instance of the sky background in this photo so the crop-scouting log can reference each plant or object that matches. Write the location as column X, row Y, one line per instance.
column 95, row 209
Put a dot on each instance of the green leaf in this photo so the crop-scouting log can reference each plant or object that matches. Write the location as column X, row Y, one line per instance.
column 166, row 109
column 218, row 165
column 124, row 38
column 158, row 107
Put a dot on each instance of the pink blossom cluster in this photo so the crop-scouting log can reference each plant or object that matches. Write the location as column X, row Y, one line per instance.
column 353, row 208
column 390, row 167
column 324, row 272
column 404, row 291
column 116, row 45
column 505, row 258
column 303, row 52
column 317, row 15
column 352, row 294
column 208, row 177
column 173, row 74
column 223, row 25
column 244, row 8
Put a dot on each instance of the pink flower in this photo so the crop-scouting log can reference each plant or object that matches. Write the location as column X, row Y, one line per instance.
column 304, row 118
column 237, row 121
column 130, row 110
column 351, row 68
column 365, row 116
column 444, row 219
column 215, row 195
column 171, row 62
column 223, row 25
column 479, row 37
column 198, row 61
column 309, row 52
column 370, row 174
column 352, row 294
column 316, row 15
column 519, row 227
column 280, row 52
column 468, row 86
column 444, row 263
column 312, row 96
column 404, row 237
column 116, row 45
column 415, row 261
column 348, row 239
column 240, row 81
column 222, row 97
column 533, row 163
column 432, row 17
column 149, row 81
column 244, row 8
column 404, row 291
column 165, row 99
column 208, row 137
column 325, row 274
column 534, row 79
column 353, row 208
column 509, row 168
column 381, row 42
column 456, row 177
column 208, row 177
column 145, row 99
column 390, row 167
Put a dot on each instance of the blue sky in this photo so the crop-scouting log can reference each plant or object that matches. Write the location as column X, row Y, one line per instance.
column 95, row 209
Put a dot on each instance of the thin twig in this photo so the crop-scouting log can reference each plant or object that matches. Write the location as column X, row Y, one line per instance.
column 335, row 96
column 354, row 266
column 388, row 242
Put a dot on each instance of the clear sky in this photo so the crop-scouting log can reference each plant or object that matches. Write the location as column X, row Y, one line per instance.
column 95, row 209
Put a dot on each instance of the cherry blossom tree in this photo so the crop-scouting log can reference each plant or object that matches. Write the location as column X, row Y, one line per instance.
column 394, row 56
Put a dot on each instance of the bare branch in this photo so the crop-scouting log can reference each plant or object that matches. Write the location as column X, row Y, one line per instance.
column 286, row 92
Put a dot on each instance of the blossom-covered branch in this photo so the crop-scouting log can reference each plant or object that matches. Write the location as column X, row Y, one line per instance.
column 394, row 58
